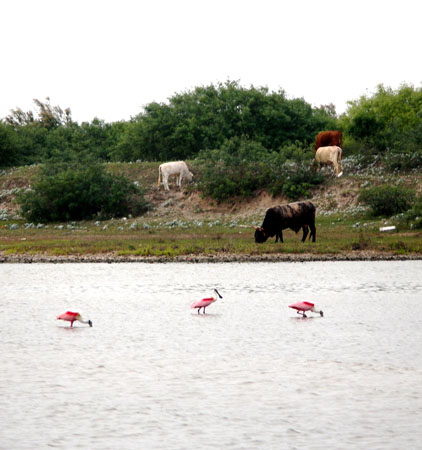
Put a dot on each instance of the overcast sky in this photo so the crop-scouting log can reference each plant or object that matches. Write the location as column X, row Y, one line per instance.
column 109, row 58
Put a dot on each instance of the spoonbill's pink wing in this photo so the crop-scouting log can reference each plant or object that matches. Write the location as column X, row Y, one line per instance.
column 200, row 303
column 302, row 306
column 68, row 315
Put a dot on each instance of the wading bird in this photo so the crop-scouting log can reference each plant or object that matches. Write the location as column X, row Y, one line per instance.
column 72, row 316
column 301, row 307
column 206, row 301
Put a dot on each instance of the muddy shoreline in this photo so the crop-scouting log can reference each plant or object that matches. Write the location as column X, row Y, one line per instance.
column 229, row 258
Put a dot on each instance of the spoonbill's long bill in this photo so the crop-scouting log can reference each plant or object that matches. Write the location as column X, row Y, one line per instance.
column 206, row 301
column 301, row 307
column 70, row 316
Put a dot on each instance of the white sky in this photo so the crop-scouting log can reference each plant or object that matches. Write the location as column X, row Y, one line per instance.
column 109, row 58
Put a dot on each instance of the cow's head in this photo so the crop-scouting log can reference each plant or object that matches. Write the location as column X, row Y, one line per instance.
column 260, row 235
column 189, row 176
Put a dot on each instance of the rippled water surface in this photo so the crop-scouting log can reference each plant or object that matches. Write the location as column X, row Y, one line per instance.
column 152, row 374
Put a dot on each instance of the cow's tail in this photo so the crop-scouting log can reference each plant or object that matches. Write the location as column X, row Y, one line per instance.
column 159, row 175
column 340, row 170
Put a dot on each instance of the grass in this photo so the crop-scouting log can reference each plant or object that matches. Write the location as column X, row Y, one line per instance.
column 336, row 235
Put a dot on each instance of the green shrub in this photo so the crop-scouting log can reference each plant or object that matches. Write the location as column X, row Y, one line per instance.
column 75, row 192
column 399, row 159
column 240, row 167
column 236, row 169
column 414, row 215
column 387, row 200
column 292, row 173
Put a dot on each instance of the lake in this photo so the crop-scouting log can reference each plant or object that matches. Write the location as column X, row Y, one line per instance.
column 249, row 374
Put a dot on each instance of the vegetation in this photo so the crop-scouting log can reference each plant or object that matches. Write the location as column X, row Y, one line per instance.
column 388, row 200
column 388, row 124
column 190, row 122
column 241, row 167
column 337, row 235
column 238, row 140
column 77, row 192
column 413, row 216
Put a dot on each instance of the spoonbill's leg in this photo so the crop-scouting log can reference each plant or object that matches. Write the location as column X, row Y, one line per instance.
column 304, row 315
column 199, row 309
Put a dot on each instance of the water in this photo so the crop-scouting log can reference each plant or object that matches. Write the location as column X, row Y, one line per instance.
column 249, row 374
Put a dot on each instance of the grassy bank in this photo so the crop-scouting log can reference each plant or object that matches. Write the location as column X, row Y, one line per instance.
column 184, row 225
column 336, row 236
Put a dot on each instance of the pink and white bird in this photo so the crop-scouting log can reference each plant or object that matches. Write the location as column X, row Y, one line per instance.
column 301, row 307
column 70, row 316
column 206, row 301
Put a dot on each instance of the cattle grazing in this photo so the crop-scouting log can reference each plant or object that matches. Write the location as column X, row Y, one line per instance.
column 326, row 138
column 330, row 156
column 176, row 168
column 293, row 215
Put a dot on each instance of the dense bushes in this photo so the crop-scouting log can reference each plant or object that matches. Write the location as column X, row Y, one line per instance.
column 388, row 200
column 241, row 167
column 28, row 138
column 76, row 192
column 389, row 123
column 203, row 118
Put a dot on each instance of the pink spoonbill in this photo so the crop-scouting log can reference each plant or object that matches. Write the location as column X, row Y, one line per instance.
column 206, row 301
column 72, row 316
column 301, row 307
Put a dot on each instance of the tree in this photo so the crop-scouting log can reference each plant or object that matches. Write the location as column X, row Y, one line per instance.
column 8, row 150
column 48, row 116
column 388, row 119
column 207, row 116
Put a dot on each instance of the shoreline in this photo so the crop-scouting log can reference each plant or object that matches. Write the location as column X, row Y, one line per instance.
column 198, row 259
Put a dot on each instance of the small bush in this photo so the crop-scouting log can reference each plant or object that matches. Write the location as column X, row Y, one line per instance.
column 413, row 216
column 387, row 200
column 69, row 192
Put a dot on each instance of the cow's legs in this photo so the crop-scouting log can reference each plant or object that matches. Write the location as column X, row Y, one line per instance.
column 313, row 232
column 305, row 230
column 335, row 169
column 280, row 235
column 166, row 182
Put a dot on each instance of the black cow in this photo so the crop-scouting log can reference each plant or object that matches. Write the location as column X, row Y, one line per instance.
column 293, row 215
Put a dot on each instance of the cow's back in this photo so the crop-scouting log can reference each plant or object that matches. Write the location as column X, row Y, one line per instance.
column 326, row 154
column 327, row 138
column 170, row 168
column 292, row 215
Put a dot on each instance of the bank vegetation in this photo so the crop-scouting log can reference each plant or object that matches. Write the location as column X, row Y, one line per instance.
column 89, row 190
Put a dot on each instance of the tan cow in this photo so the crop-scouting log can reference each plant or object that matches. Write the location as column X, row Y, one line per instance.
column 330, row 156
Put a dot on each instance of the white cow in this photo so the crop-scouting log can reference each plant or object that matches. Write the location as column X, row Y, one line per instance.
column 330, row 156
column 178, row 168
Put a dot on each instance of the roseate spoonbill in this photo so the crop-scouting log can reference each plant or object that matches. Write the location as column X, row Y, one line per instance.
column 206, row 301
column 72, row 316
column 301, row 307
